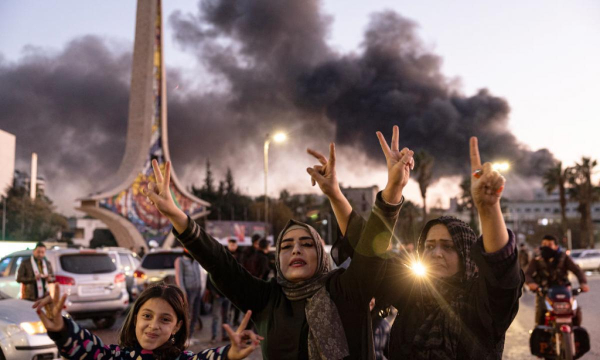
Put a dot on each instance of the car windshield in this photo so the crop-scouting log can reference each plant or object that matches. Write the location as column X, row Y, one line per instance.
column 87, row 263
column 575, row 255
column 160, row 261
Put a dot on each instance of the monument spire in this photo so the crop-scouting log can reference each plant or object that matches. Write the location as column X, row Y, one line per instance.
column 122, row 206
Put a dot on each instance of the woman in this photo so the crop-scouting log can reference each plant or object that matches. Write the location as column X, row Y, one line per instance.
column 464, row 306
column 307, row 311
column 155, row 328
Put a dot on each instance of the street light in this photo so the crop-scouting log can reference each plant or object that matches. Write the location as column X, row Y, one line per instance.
column 501, row 166
column 278, row 138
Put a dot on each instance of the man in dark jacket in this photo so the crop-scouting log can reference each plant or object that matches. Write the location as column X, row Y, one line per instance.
column 35, row 274
column 551, row 268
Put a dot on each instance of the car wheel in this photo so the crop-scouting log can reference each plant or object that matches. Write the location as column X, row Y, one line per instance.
column 105, row 322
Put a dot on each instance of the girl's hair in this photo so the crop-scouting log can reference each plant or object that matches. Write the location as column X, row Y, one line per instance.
column 175, row 297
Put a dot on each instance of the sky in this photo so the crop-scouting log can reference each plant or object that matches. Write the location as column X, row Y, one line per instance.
column 537, row 60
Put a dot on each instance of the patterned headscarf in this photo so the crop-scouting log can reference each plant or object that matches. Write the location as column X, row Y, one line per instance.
column 445, row 299
column 326, row 337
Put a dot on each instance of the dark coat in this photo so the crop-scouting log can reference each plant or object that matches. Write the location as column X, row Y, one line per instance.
column 26, row 277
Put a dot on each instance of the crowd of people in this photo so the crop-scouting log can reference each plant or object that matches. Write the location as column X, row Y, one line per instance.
column 302, row 306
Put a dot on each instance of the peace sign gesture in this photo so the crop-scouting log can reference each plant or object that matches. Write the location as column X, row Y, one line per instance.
column 52, row 318
column 324, row 174
column 486, row 183
column 399, row 164
column 243, row 342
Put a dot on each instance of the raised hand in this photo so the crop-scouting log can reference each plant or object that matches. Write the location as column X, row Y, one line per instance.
column 486, row 183
column 324, row 174
column 159, row 192
column 52, row 317
column 399, row 164
column 243, row 342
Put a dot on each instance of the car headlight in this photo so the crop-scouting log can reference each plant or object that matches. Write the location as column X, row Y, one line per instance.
column 33, row 328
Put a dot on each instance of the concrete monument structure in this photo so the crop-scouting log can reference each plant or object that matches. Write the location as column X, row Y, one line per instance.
column 122, row 206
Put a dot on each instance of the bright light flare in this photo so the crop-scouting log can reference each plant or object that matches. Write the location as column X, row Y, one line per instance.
column 501, row 166
column 418, row 269
column 33, row 328
column 279, row 137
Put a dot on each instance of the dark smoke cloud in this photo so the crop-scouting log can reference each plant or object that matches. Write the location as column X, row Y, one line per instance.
column 266, row 65
column 274, row 59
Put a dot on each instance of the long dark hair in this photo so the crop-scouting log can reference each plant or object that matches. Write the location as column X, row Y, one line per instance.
column 175, row 297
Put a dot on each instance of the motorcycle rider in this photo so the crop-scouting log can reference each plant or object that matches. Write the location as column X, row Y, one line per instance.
column 550, row 268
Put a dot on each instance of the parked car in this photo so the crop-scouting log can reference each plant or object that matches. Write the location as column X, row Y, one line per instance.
column 22, row 334
column 126, row 261
column 8, row 272
column 159, row 265
column 587, row 259
column 95, row 286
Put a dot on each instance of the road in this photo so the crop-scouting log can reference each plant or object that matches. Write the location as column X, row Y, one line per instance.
column 517, row 337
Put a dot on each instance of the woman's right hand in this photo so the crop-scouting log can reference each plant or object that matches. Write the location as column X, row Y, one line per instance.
column 399, row 164
column 52, row 318
column 243, row 342
column 324, row 174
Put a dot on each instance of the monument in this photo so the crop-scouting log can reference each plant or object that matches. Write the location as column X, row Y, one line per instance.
column 122, row 206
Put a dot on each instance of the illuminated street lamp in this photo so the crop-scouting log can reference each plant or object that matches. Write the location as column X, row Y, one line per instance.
column 278, row 138
column 501, row 166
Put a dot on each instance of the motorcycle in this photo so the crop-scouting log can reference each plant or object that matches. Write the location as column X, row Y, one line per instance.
column 559, row 338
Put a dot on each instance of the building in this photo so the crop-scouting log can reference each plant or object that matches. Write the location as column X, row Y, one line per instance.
column 361, row 199
column 8, row 148
column 83, row 230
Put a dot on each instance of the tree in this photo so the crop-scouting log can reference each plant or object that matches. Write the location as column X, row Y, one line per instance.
column 33, row 220
column 424, row 173
column 582, row 189
column 557, row 177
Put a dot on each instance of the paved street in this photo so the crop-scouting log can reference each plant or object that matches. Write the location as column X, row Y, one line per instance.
column 517, row 338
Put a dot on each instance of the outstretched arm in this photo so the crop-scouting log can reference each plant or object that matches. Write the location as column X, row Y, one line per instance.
column 486, row 188
column 244, row 290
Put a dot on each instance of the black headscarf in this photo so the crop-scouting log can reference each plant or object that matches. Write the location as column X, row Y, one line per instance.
column 326, row 337
column 445, row 300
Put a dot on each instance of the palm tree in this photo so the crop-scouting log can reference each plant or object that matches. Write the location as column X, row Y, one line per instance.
column 580, row 179
column 424, row 172
column 556, row 177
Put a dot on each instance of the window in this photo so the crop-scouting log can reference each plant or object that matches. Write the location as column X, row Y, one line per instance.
column 17, row 263
column 4, row 264
column 125, row 263
column 527, row 210
column 87, row 264
column 160, row 261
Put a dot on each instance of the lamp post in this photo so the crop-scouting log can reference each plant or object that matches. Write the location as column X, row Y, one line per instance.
column 278, row 138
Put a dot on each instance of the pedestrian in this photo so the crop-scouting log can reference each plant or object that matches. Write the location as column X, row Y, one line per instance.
column 155, row 328
column 550, row 268
column 35, row 274
column 192, row 280
column 470, row 295
column 523, row 256
column 220, row 307
column 142, row 252
column 306, row 311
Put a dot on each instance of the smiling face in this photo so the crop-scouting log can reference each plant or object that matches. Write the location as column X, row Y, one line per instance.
column 440, row 253
column 155, row 323
column 298, row 255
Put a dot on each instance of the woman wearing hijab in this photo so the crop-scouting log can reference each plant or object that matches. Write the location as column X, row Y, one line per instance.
column 463, row 306
column 307, row 311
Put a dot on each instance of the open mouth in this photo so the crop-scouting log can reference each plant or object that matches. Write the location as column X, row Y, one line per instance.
column 297, row 263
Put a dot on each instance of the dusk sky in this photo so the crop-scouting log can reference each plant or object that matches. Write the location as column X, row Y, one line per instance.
column 537, row 59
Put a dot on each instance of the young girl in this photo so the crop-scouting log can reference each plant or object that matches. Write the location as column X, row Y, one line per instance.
column 155, row 328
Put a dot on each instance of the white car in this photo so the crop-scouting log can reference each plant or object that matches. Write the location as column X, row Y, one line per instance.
column 587, row 259
column 159, row 265
column 22, row 334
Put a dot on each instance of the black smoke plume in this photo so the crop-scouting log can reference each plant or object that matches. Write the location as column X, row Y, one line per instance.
column 264, row 65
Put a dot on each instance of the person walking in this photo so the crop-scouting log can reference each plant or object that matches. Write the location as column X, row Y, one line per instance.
column 191, row 279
